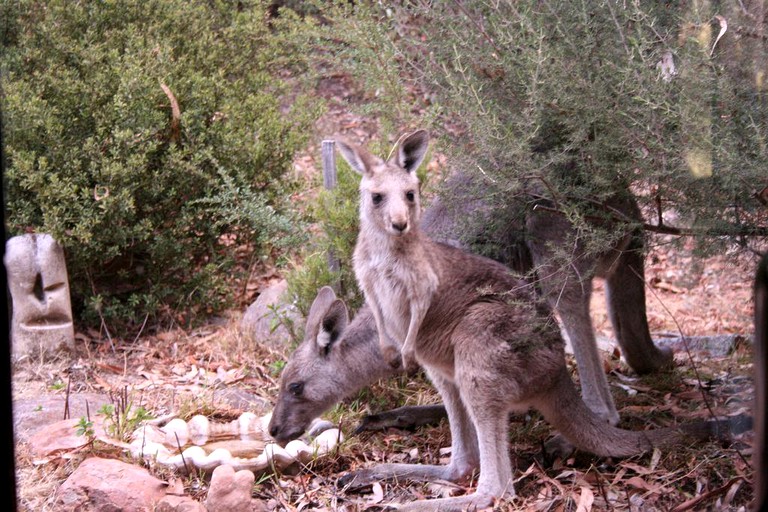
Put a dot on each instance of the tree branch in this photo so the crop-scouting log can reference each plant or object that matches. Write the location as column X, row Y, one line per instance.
column 741, row 231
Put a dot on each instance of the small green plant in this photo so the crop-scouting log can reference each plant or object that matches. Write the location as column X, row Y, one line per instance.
column 276, row 368
column 85, row 428
column 336, row 213
column 57, row 385
column 281, row 317
column 121, row 417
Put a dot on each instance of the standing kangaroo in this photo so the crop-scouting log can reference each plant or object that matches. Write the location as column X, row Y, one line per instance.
column 487, row 341
column 528, row 242
column 392, row 267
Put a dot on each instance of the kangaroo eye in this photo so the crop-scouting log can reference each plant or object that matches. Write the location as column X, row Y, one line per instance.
column 296, row 388
column 410, row 195
column 377, row 198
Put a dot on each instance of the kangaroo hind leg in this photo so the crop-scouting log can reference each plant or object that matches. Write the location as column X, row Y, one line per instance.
column 626, row 306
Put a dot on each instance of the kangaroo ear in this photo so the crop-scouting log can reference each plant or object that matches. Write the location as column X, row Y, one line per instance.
column 318, row 309
column 334, row 322
column 358, row 158
column 411, row 150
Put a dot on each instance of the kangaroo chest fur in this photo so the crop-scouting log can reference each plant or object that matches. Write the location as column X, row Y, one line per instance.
column 393, row 273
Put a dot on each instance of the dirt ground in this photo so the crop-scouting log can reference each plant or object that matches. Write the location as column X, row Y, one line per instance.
column 178, row 372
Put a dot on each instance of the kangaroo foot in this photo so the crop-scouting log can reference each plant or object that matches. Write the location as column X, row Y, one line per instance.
column 475, row 501
column 408, row 417
column 654, row 359
column 557, row 447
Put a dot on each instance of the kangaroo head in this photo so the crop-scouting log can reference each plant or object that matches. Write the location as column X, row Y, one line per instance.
column 313, row 379
column 389, row 190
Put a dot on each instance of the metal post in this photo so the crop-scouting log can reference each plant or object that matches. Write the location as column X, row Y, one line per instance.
column 330, row 182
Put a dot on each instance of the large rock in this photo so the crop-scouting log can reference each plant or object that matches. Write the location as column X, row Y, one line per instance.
column 39, row 286
column 261, row 321
column 107, row 485
column 61, row 437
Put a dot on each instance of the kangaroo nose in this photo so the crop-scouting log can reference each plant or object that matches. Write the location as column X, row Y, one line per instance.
column 400, row 226
column 274, row 430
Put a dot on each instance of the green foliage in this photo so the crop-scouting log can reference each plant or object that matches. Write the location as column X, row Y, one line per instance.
column 336, row 213
column 150, row 204
column 57, row 385
column 276, row 368
column 121, row 418
column 85, row 428
column 523, row 89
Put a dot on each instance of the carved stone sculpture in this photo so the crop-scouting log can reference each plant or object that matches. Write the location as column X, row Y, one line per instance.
column 37, row 279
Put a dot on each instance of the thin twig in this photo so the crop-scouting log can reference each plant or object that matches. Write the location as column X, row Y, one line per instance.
column 478, row 25
column 66, row 398
column 694, row 503
column 687, row 348
column 144, row 324
column 183, row 459
column 757, row 231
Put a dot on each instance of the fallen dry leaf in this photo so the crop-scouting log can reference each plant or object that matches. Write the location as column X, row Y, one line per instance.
column 378, row 494
column 586, row 499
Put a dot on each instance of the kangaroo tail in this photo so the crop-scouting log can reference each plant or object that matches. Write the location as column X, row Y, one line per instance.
column 565, row 410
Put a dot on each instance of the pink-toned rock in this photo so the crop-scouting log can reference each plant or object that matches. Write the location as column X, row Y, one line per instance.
column 179, row 504
column 109, row 485
column 230, row 491
column 57, row 437
column 60, row 437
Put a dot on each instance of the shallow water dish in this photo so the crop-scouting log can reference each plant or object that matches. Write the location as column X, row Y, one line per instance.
column 242, row 444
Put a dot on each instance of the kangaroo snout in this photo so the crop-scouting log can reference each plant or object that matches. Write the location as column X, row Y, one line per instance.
column 400, row 227
column 283, row 435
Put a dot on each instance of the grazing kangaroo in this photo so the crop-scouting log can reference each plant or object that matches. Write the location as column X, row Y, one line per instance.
column 487, row 341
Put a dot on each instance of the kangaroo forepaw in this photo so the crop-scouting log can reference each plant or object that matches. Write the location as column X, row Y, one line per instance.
column 392, row 356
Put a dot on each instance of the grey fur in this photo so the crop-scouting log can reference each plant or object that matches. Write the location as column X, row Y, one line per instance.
column 485, row 337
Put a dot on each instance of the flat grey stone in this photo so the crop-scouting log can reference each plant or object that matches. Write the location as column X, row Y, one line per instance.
column 30, row 414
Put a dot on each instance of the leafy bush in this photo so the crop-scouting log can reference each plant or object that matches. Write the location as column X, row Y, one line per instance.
column 641, row 93
column 152, row 139
column 336, row 214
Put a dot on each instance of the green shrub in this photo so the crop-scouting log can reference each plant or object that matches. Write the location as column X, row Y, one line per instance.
column 335, row 213
column 150, row 202
column 521, row 88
